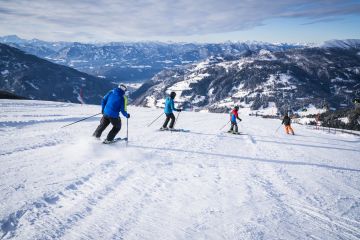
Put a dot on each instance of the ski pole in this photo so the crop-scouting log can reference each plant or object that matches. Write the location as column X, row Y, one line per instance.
column 278, row 128
column 176, row 119
column 127, row 131
column 224, row 125
column 155, row 120
column 81, row 120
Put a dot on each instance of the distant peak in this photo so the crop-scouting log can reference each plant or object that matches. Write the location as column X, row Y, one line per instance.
column 11, row 38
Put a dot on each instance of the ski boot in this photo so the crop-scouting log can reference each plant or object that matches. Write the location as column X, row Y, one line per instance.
column 164, row 128
column 107, row 141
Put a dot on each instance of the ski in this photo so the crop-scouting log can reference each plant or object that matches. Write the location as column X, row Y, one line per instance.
column 236, row 133
column 114, row 141
column 174, row 130
column 179, row 130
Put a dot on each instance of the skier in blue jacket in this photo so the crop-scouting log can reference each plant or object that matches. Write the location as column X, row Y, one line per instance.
column 111, row 105
column 168, row 110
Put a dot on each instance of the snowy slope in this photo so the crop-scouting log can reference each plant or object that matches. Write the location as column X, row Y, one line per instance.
column 204, row 184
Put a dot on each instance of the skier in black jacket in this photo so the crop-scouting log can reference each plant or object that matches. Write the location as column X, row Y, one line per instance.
column 287, row 122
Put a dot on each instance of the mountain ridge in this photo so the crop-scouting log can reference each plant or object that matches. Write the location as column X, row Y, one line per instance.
column 35, row 78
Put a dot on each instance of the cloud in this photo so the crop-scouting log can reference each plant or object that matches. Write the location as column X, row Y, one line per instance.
column 121, row 19
column 326, row 20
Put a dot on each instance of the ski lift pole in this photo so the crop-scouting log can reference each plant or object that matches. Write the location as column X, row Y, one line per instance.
column 155, row 120
column 224, row 125
column 81, row 120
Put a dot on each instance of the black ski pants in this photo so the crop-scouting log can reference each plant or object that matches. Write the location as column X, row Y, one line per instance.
column 104, row 122
column 234, row 125
column 168, row 117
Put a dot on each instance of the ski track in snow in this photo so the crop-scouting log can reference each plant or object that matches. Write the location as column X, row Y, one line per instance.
column 203, row 184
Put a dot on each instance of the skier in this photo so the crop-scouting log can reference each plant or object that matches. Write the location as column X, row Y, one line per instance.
column 233, row 116
column 168, row 110
column 111, row 105
column 287, row 122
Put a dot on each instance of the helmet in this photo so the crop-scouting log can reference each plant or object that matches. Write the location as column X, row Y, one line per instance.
column 172, row 95
column 236, row 107
column 122, row 87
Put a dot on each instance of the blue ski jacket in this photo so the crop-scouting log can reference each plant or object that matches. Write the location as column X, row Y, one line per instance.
column 169, row 106
column 113, row 103
column 234, row 115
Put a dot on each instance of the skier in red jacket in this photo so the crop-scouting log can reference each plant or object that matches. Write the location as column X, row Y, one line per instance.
column 233, row 116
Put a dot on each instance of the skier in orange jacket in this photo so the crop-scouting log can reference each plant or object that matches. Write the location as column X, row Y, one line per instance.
column 287, row 122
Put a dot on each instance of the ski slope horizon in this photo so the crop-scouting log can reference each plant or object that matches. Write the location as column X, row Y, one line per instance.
column 61, row 183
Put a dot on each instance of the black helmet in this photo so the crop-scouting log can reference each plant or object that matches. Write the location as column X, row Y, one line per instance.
column 172, row 95
column 236, row 107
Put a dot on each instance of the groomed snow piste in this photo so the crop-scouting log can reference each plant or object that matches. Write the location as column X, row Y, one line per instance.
column 203, row 184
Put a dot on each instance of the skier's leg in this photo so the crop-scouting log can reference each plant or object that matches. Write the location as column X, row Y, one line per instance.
column 287, row 129
column 104, row 122
column 166, row 121
column 236, row 127
column 172, row 116
column 231, row 127
column 291, row 130
column 116, row 122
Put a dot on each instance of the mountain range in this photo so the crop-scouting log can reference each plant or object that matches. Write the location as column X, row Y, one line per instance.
column 206, row 76
column 134, row 61
column 288, row 80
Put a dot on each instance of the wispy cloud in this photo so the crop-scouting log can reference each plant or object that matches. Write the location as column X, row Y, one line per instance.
column 326, row 20
column 121, row 19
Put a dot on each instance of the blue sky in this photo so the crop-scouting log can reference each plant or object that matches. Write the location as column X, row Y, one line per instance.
column 181, row 20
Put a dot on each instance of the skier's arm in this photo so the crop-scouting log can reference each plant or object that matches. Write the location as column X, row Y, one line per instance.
column 173, row 106
column 125, row 113
column 104, row 101
column 237, row 116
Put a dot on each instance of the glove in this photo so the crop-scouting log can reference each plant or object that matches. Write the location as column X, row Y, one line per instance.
column 128, row 116
column 240, row 120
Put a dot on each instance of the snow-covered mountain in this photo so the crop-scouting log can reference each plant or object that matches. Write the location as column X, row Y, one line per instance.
column 283, row 80
column 35, row 78
column 59, row 183
column 134, row 61
column 345, row 44
column 35, row 47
